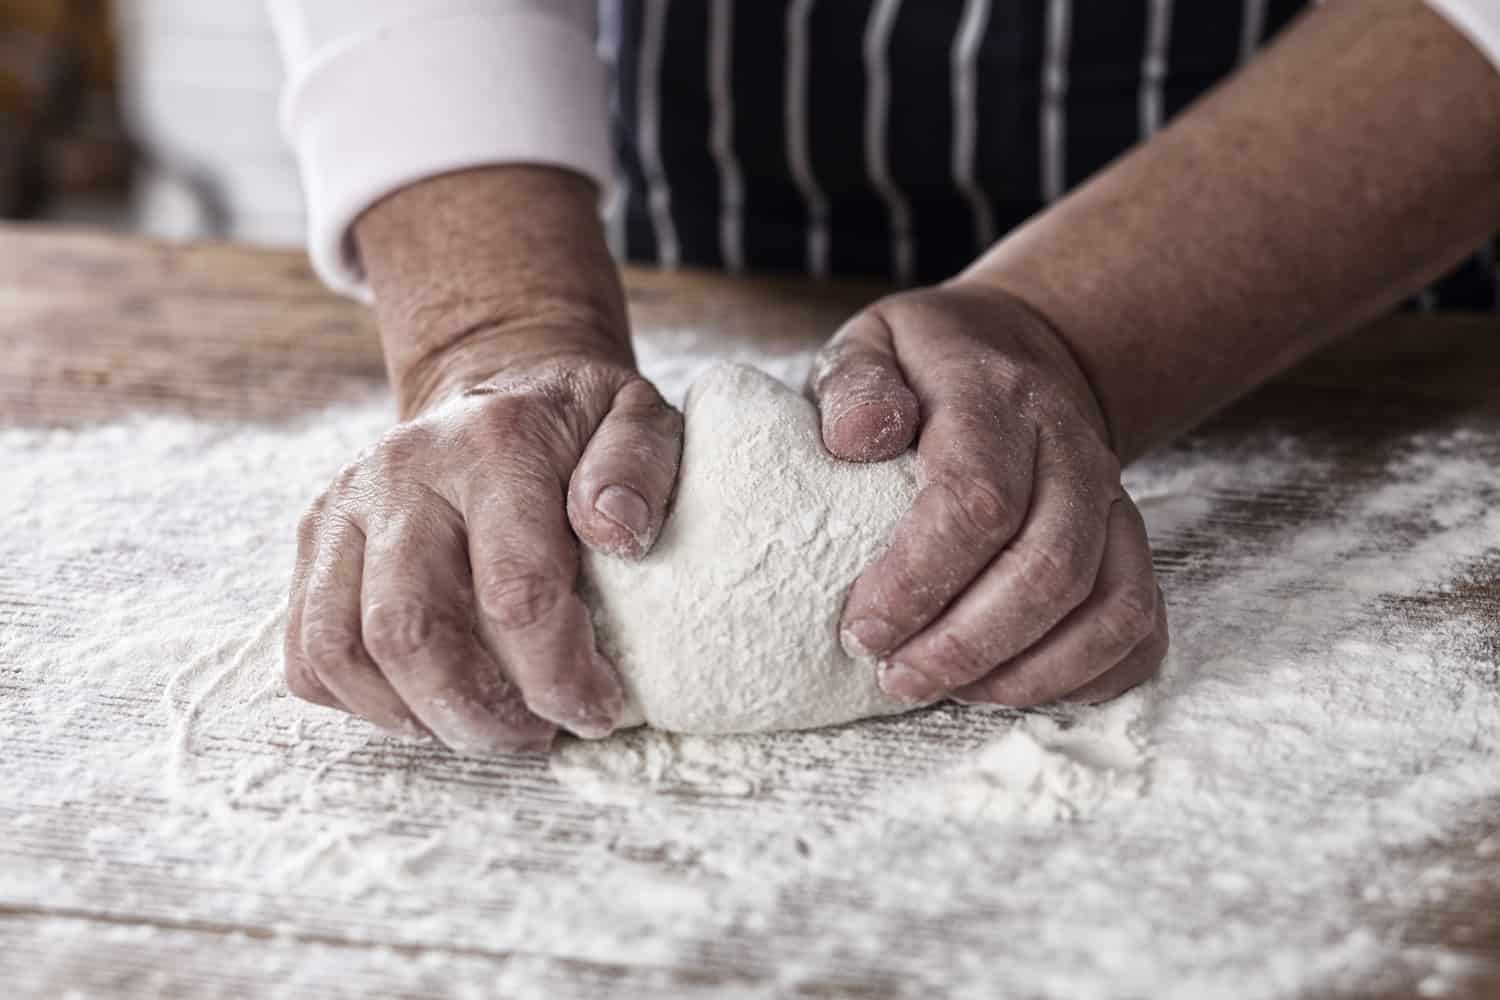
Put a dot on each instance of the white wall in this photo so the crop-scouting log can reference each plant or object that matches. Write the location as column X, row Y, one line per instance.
column 199, row 86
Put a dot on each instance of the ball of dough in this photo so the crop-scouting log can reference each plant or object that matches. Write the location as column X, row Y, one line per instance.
column 730, row 624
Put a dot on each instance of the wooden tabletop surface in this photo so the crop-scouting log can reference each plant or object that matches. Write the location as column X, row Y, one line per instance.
column 94, row 327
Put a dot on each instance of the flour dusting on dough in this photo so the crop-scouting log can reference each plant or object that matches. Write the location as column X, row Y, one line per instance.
column 730, row 623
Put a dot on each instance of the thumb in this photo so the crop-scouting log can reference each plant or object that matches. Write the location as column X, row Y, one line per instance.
column 618, row 496
column 868, row 412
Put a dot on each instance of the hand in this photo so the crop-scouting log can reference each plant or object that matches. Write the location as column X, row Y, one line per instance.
column 1022, row 573
column 435, row 578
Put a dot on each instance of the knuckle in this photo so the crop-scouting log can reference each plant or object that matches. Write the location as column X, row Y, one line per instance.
column 394, row 630
column 345, row 480
column 401, row 447
column 669, row 427
column 350, row 475
column 850, row 347
column 656, row 423
column 1139, row 600
column 1057, row 573
column 516, row 597
column 955, row 661
column 914, row 307
column 640, row 398
column 826, row 365
column 1040, row 570
column 332, row 647
column 308, row 523
column 1131, row 615
column 302, row 684
column 526, row 422
column 903, row 596
column 977, row 508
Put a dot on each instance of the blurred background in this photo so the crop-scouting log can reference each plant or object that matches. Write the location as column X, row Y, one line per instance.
column 160, row 116
column 155, row 115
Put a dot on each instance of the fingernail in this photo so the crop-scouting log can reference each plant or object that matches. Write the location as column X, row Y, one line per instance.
column 599, row 716
column 625, row 507
column 591, row 723
column 901, row 681
column 866, row 638
column 407, row 728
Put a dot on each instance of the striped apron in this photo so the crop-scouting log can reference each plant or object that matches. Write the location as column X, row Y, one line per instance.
column 897, row 140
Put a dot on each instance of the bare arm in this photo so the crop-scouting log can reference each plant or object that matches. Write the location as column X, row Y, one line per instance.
column 1354, row 161
column 1357, row 159
column 485, row 269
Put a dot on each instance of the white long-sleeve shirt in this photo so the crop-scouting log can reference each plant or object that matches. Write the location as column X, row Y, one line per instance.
column 382, row 93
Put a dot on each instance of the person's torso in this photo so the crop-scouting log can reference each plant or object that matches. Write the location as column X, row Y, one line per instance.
column 894, row 139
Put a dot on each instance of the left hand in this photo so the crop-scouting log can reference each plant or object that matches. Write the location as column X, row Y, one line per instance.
column 1022, row 574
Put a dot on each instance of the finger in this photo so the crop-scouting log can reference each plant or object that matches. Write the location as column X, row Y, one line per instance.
column 331, row 632
column 525, row 564
column 417, row 622
column 978, row 465
column 1143, row 663
column 1098, row 635
column 301, row 680
column 1047, row 572
column 868, row 411
column 622, row 484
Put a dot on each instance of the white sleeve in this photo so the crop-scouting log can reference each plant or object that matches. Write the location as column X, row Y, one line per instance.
column 1478, row 20
column 381, row 93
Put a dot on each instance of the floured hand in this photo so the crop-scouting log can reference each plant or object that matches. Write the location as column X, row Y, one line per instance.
column 435, row 581
column 1022, row 574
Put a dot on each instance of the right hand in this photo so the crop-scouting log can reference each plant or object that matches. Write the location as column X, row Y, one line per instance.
column 435, row 580
column 435, row 585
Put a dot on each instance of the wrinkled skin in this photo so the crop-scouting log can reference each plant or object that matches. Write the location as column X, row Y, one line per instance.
column 435, row 589
column 435, row 581
column 1297, row 201
column 1022, row 574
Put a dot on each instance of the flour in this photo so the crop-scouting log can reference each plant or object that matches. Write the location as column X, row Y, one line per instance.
column 1047, row 768
column 730, row 624
column 1258, row 823
column 1040, row 767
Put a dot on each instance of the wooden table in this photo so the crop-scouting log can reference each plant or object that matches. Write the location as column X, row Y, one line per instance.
column 96, row 327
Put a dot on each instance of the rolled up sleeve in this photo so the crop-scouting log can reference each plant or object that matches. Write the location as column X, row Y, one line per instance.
column 382, row 93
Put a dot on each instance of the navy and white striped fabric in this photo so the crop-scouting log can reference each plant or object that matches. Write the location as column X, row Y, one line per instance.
column 894, row 139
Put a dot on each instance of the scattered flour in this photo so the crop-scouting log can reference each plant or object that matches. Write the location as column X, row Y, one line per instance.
column 1254, row 824
column 1044, row 769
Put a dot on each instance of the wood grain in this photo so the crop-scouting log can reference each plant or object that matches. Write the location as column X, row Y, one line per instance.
column 95, row 327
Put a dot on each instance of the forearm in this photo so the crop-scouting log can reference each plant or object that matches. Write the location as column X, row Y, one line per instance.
column 1354, row 161
column 487, row 269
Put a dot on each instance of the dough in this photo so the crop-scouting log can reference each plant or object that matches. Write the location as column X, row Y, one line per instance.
column 730, row 624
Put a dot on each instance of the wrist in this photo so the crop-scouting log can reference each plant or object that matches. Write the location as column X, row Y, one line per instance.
column 486, row 271
column 501, row 351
